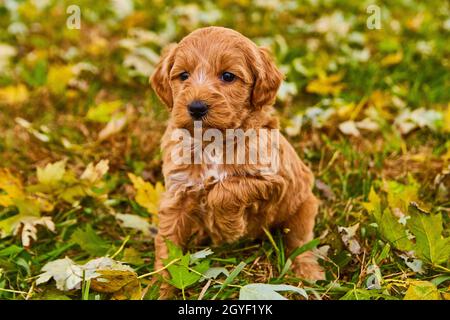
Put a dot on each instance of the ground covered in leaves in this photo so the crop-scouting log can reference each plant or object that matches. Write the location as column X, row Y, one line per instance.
column 80, row 167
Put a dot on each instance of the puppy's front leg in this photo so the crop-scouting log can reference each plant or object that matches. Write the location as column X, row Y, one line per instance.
column 300, row 226
column 176, row 225
column 231, row 199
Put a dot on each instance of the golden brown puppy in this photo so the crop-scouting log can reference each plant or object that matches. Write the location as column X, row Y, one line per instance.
column 222, row 80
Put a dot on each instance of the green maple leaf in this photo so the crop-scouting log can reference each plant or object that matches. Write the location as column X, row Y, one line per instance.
column 401, row 195
column 393, row 231
column 182, row 273
column 389, row 227
column 182, row 277
column 427, row 228
column 89, row 241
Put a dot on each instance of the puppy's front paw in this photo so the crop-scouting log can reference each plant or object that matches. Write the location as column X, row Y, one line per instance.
column 306, row 266
column 166, row 292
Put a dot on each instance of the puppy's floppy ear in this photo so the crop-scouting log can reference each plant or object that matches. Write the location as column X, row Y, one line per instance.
column 267, row 79
column 160, row 77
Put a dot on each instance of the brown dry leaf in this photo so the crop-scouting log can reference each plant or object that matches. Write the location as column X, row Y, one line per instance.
column 123, row 284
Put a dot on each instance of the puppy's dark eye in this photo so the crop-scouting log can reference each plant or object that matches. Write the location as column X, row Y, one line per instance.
column 227, row 76
column 184, row 76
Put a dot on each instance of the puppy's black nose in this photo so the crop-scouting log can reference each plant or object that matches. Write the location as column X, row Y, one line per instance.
column 197, row 109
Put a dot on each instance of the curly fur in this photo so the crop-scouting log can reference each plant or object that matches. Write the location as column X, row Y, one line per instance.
column 226, row 202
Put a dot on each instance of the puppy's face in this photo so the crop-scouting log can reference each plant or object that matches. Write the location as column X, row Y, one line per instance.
column 217, row 76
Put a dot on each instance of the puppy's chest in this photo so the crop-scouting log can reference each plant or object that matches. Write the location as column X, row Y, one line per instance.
column 195, row 181
column 227, row 216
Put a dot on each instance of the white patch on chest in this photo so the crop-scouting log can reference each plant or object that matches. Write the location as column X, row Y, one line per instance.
column 185, row 180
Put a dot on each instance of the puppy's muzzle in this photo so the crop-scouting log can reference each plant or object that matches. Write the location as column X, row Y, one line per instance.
column 197, row 109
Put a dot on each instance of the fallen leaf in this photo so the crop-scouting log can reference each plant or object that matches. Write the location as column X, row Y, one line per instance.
column 132, row 256
column 262, row 291
column 89, row 241
column 94, row 173
column 391, row 59
column 12, row 95
column 420, row 118
column 214, row 272
column 52, row 173
column 113, row 127
column 295, row 126
column 59, row 77
column 104, row 111
column 67, row 274
column 348, row 237
column 10, row 187
column 138, row 65
column 414, row 264
column 430, row 244
column 349, row 128
column 401, row 195
column 447, row 119
column 367, row 124
column 326, row 85
column 134, row 222
column 27, row 228
column 147, row 195
column 375, row 278
column 106, row 263
column 287, row 89
column 200, row 255
column 123, row 283
column 122, row 8
column 422, row 290
column 6, row 53
column 388, row 225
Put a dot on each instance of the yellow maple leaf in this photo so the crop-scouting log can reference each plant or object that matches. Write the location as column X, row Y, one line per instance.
column 104, row 111
column 14, row 94
column 59, row 77
column 447, row 119
column 10, row 187
column 325, row 85
column 446, row 295
column 446, row 156
column 147, row 195
column 42, row 201
column 374, row 204
column 51, row 173
column 393, row 58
